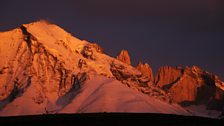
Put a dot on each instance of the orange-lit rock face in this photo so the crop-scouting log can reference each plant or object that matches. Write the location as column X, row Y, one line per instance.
column 146, row 70
column 124, row 57
column 189, row 85
column 168, row 75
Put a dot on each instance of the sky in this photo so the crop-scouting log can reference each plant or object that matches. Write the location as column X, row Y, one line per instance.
column 160, row 32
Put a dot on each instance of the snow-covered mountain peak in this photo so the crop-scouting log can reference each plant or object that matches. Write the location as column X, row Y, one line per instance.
column 43, row 54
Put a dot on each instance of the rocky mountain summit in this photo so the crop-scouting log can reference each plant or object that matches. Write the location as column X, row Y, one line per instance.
column 44, row 69
column 146, row 70
column 124, row 57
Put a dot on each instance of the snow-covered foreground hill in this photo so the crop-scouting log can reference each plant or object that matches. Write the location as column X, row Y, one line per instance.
column 99, row 94
column 45, row 70
column 108, row 95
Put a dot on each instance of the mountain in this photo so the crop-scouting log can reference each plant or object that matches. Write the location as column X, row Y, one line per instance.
column 44, row 69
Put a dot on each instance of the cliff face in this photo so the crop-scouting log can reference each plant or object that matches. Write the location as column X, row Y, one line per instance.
column 191, row 85
column 167, row 76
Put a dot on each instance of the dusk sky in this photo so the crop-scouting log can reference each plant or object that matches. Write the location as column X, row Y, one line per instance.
column 160, row 32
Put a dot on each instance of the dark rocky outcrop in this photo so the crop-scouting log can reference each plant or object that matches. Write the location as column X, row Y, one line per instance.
column 97, row 47
column 89, row 49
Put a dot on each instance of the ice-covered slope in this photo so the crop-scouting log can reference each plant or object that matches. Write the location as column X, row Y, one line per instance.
column 108, row 95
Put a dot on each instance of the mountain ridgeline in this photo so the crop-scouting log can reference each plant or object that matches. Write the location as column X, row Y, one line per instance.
column 186, row 86
column 44, row 69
